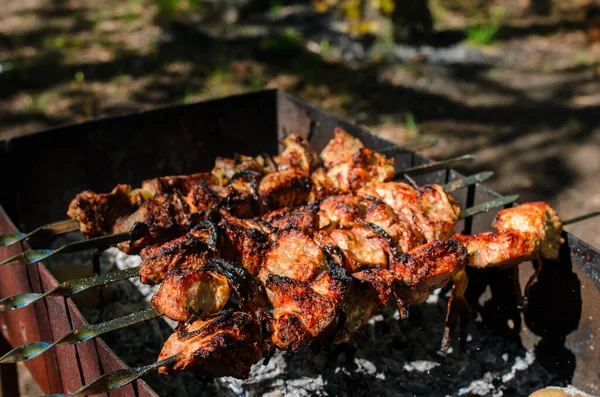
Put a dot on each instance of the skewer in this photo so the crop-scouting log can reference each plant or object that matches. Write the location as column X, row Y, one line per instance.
column 466, row 181
column 34, row 256
column 69, row 225
column 69, row 288
column 76, row 336
column 488, row 205
column 51, row 229
column 436, row 165
column 581, row 218
column 116, row 379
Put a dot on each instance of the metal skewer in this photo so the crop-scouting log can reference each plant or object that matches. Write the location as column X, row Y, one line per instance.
column 581, row 218
column 466, row 181
column 82, row 334
column 488, row 205
column 436, row 165
column 51, row 229
column 34, row 256
column 116, row 379
column 68, row 288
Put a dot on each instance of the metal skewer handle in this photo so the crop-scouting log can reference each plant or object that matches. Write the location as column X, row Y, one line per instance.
column 67, row 288
column 82, row 334
column 119, row 378
column 51, row 229
column 34, row 256
column 488, row 205
column 436, row 165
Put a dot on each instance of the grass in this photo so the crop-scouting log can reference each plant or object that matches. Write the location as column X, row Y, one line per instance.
column 483, row 34
column 412, row 130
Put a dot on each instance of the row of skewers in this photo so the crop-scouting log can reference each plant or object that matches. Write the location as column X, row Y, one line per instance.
column 294, row 250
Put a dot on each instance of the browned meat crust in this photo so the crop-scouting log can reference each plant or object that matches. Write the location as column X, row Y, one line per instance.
column 224, row 345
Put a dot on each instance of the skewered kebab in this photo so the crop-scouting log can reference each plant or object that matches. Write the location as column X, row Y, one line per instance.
column 246, row 187
column 160, row 222
column 277, row 219
column 32, row 350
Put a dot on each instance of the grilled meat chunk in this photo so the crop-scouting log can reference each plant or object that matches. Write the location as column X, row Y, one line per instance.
column 429, row 210
column 179, row 183
column 189, row 251
column 297, row 154
column 163, row 217
column 341, row 148
column 247, row 242
column 430, row 266
column 227, row 344
column 300, row 314
column 294, row 255
column 187, row 292
column 537, row 218
column 365, row 166
column 499, row 249
column 96, row 213
column 288, row 188
column 302, row 218
column 362, row 247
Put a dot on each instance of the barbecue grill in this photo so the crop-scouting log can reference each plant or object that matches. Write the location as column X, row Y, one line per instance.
column 557, row 343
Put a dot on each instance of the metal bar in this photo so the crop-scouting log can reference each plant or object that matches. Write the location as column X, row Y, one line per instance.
column 116, row 379
column 51, row 229
column 34, row 256
column 82, row 334
column 488, row 205
column 467, row 181
column 581, row 218
column 67, row 288
column 436, row 165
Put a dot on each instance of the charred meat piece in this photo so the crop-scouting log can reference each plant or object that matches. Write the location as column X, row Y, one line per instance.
column 300, row 314
column 225, row 169
column 428, row 267
column 288, row 188
column 537, row 218
column 189, row 251
column 294, row 255
column 429, row 210
column 339, row 211
column 365, row 166
column 187, row 292
column 247, row 242
column 499, row 249
column 97, row 212
column 341, row 148
column 297, row 154
column 302, row 218
column 362, row 247
column 227, row 344
column 164, row 218
column 439, row 212
column 358, row 296
column 178, row 183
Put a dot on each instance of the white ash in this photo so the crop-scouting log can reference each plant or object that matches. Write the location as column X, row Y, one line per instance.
column 420, row 366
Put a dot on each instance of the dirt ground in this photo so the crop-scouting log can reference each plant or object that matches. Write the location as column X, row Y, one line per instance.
column 531, row 116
